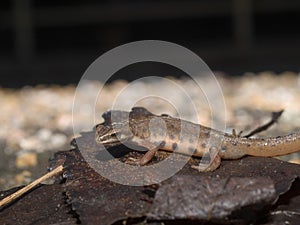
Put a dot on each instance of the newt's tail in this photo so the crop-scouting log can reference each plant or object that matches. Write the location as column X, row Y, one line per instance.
column 275, row 146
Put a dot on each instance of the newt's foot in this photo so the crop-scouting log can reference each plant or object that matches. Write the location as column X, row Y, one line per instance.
column 234, row 134
column 142, row 161
column 213, row 161
column 133, row 161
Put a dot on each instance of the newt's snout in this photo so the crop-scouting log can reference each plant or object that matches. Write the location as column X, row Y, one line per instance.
column 112, row 135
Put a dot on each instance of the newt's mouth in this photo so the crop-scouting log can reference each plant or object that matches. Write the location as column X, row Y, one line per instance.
column 110, row 139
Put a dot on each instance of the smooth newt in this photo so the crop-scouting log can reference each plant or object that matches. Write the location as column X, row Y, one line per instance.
column 142, row 128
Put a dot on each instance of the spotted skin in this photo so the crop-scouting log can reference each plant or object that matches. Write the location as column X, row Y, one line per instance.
column 153, row 132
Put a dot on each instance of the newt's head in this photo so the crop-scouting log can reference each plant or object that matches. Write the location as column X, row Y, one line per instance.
column 122, row 126
column 113, row 134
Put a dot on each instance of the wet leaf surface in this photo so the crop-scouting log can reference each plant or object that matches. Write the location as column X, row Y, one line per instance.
column 251, row 189
column 206, row 198
column 287, row 208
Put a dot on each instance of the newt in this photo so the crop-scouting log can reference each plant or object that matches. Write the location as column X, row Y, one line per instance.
column 136, row 128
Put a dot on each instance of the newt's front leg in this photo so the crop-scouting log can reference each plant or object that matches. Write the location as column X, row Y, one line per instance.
column 152, row 149
column 210, row 161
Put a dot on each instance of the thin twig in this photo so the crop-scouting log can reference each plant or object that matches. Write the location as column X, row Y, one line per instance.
column 274, row 119
column 27, row 188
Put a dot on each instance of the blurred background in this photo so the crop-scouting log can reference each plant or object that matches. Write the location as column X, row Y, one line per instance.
column 53, row 42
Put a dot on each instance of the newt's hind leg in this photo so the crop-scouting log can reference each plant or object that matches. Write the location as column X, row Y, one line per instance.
column 210, row 161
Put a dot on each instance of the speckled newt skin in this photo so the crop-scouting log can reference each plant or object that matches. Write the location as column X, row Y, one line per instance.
column 142, row 128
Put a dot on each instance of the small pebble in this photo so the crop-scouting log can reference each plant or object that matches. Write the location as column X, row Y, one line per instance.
column 23, row 177
column 44, row 134
column 30, row 143
column 58, row 140
column 27, row 159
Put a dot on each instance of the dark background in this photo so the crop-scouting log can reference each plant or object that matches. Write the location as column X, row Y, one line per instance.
column 54, row 41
